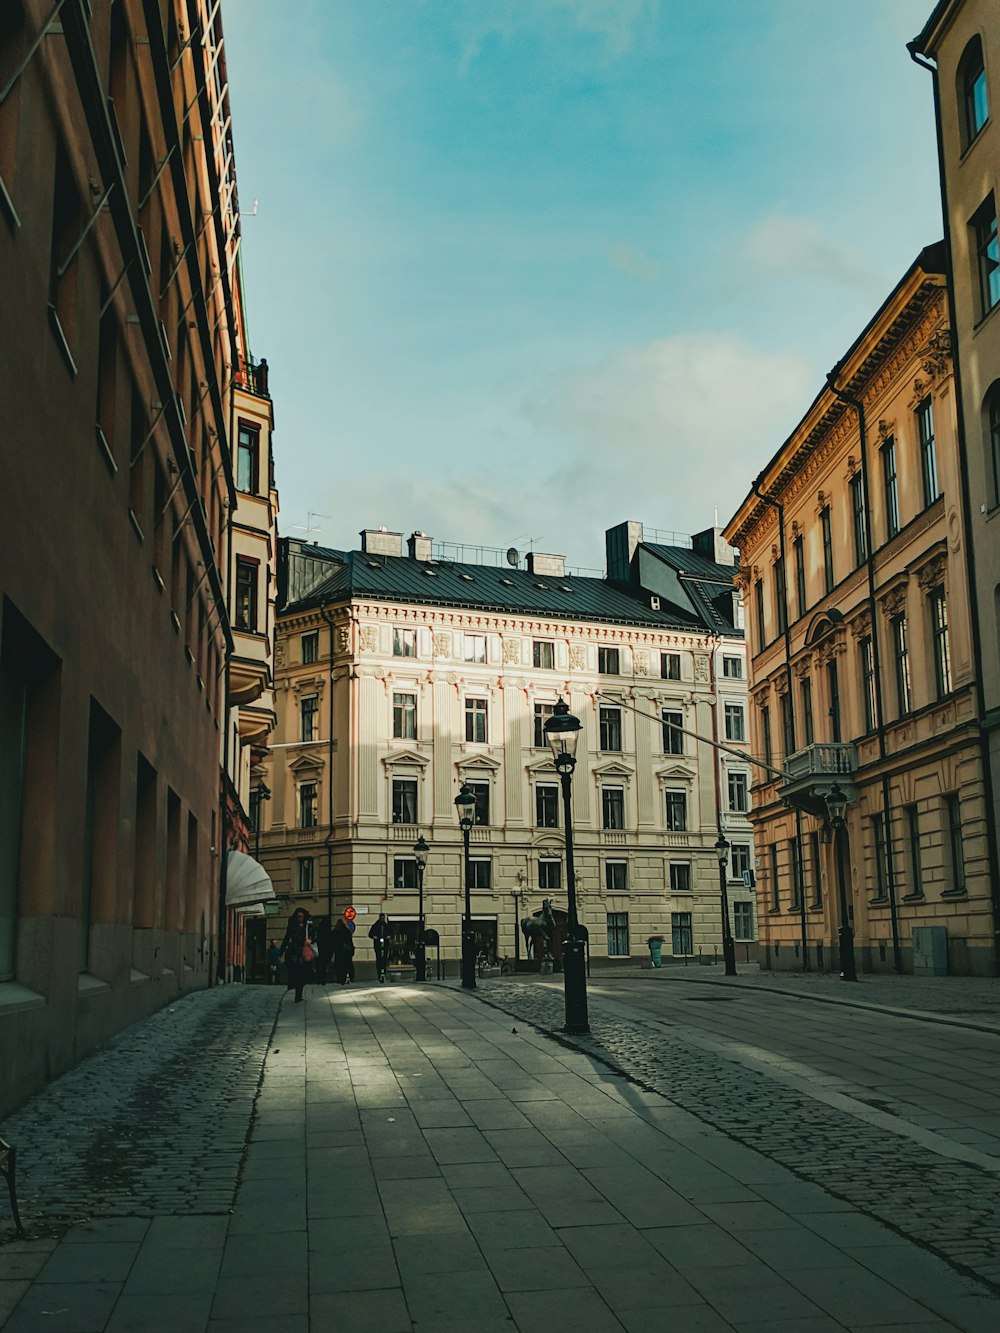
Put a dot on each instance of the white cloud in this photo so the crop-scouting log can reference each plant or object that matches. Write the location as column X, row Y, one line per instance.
column 636, row 263
column 799, row 246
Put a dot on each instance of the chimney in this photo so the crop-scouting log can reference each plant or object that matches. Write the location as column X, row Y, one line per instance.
column 379, row 541
column 712, row 544
column 620, row 546
column 419, row 546
column 552, row 565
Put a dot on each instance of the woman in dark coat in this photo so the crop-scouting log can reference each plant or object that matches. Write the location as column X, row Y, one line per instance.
column 343, row 952
column 300, row 929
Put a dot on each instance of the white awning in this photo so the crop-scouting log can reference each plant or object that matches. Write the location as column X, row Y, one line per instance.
column 247, row 882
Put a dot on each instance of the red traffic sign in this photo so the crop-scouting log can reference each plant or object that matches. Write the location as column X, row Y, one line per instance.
column 349, row 913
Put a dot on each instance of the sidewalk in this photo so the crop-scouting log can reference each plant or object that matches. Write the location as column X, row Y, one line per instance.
column 418, row 1159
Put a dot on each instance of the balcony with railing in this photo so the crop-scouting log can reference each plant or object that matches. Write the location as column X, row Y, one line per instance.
column 811, row 772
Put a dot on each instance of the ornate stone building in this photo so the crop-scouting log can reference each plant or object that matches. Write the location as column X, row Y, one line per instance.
column 399, row 677
column 862, row 670
column 960, row 44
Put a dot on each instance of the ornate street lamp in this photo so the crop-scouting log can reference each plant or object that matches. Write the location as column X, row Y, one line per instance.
column 836, row 804
column 728, row 947
column 562, row 731
column 465, row 805
column 420, row 850
column 262, row 793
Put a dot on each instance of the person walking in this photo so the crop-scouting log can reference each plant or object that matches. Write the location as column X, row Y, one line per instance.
column 379, row 935
column 343, row 953
column 298, row 949
column 272, row 958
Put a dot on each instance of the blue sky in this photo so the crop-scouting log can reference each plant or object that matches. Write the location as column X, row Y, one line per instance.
column 523, row 269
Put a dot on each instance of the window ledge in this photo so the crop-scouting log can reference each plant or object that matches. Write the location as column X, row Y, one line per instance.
column 61, row 341
column 882, row 900
column 952, row 894
column 16, row 999
column 7, row 207
column 135, row 976
column 86, row 984
column 913, row 898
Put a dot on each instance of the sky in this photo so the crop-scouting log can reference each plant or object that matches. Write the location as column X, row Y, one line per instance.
column 525, row 269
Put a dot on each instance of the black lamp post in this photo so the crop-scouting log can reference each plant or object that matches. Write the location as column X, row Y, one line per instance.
column 728, row 947
column 465, row 804
column 562, row 731
column 420, row 850
column 836, row 804
column 262, row 793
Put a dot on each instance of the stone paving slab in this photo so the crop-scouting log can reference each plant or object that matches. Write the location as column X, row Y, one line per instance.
column 538, row 1187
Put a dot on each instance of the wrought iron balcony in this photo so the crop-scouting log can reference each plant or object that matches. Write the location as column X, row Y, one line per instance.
column 812, row 771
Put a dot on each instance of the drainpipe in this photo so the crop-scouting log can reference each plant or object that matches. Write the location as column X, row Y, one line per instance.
column 856, row 403
column 775, row 504
column 220, row 964
column 970, row 557
column 329, row 780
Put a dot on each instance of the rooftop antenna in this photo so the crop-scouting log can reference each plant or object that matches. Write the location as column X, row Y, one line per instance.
column 530, row 540
column 309, row 527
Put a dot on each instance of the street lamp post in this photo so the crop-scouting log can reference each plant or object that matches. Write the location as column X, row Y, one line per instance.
column 836, row 804
column 420, row 850
column 728, row 947
column 562, row 731
column 465, row 804
column 262, row 793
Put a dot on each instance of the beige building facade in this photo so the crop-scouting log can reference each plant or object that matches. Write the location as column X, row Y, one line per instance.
column 862, row 662
column 400, row 677
column 961, row 45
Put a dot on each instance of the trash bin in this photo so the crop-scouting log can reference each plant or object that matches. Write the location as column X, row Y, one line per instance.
column 655, row 943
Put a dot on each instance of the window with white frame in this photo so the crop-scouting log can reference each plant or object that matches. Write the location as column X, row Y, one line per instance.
column 673, row 737
column 742, row 921
column 476, row 720
column 616, row 876
column 404, row 800
column 404, row 716
column 676, row 803
column 480, row 872
column 542, row 714
column 308, row 716
column 404, row 642
column 550, row 874
column 732, row 668
column 681, row 935
column 610, row 718
column 738, row 791
column 618, row 935
column 740, row 863
column 404, row 872
column 608, row 661
column 670, row 666
column 307, row 805
column 544, row 654
column 481, row 791
column 546, row 805
column 475, row 647
column 613, row 807
column 680, row 876
column 939, row 639
column 736, row 727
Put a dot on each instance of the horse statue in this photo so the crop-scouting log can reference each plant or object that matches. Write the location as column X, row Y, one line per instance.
column 543, row 933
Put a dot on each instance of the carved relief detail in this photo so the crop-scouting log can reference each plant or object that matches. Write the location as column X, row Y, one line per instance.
column 577, row 657
column 512, row 650
column 442, row 643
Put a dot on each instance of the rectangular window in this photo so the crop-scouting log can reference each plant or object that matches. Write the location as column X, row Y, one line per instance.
column 758, row 608
column 307, row 805
column 404, row 643
column 681, row 939
column 833, row 691
column 740, row 863
column 732, row 668
column 858, row 519
column 307, row 874
column 866, row 656
column 546, row 805
column 618, row 935
column 404, row 800
column 475, row 647
column 610, row 727
column 680, row 876
column 550, row 875
column 890, row 485
column 673, row 737
column 544, row 654
column 542, row 714
column 404, row 873
column 742, row 921
column 956, row 858
column 928, row 452
column 984, row 224
column 880, row 852
column 806, row 695
column 309, row 716
column 765, row 733
column 772, row 858
column 676, row 807
column 817, row 873
column 787, row 724
column 247, row 452
column 913, row 852
column 942, row 649
column 616, row 876
column 476, row 719
column 613, row 807
column 481, row 791
column 310, row 647
column 826, row 528
column 607, row 661
column 480, row 872
column 795, row 866
column 798, row 547
column 735, row 723
column 780, row 596
column 738, row 787
column 404, row 717
column 670, row 666
column 247, row 572
column 901, row 655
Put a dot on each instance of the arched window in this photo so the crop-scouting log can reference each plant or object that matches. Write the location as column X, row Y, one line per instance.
column 991, row 426
column 973, row 92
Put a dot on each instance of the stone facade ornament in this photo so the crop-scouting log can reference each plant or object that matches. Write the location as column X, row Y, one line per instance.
column 578, row 657
column 344, row 639
column 861, row 625
column 936, row 356
column 641, row 662
column 701, row 669
column 512, row 651
column 894, row 601
column 932, row 574
column 369, row 638
column 442, row 643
